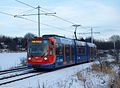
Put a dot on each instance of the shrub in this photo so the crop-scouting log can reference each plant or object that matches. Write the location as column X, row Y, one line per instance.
column 104, row 69
column 23, row 61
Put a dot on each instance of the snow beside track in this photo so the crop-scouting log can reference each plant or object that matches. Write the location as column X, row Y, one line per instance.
column 9, row 60
column 62, row 78
column 49, row 80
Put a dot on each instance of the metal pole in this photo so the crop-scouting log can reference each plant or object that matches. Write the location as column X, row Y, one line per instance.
column 75, row 33
column 114, row 47
column 91, row 35
column 75, row 30
column 38, row 20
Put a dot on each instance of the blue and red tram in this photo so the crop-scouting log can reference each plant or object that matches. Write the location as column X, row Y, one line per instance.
column 53, row 51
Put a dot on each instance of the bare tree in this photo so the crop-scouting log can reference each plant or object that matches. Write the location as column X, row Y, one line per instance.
column 115, row 39
column 29, row 36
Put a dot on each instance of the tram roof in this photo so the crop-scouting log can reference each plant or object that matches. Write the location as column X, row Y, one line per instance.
column 91, row 45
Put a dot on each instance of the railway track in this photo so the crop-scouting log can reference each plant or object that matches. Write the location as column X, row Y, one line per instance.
column 14, row 73
column 18, row 78
column 17, row 74
column 21, row 76
column 20, row 68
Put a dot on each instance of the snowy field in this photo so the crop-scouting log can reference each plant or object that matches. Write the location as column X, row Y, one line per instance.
column 56, row 79
column 79, row 76
column 64, row 78
column 9, row 60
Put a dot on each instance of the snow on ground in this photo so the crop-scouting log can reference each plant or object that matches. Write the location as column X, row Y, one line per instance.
column 110, row 58
column 55, row 79
column 93, row 79
column 62, row 78
column 65, row 78
column 8, row 60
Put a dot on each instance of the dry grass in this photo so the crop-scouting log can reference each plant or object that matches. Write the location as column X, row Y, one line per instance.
column 115, row 78
column 103, row 68
column 115, row 62
column 115, row 83
column 80, row 77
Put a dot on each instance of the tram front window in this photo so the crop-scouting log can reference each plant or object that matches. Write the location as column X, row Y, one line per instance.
column 38, row 48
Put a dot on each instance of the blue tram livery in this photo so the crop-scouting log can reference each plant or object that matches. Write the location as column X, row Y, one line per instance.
column 53, row 51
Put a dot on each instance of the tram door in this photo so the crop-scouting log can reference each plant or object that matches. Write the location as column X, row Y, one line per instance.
column 67, row 56
column 59, row 55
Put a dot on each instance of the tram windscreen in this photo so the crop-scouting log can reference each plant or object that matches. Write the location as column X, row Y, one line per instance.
column 38, row 48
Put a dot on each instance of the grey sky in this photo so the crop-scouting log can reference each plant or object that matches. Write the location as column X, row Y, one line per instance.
column 102, row 15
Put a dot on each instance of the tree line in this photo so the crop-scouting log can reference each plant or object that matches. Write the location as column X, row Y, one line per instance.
column 15, row 44
column 20, row 43
column 112, row 43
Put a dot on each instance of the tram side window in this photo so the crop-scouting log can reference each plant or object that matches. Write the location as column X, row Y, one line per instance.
column 67, row 49
column 92, row 51
column 73, row 52
column 59, row 50
column 81, row 50
column 51, row 51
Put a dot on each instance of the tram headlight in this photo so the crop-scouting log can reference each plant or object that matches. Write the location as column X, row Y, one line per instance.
column 45, row 58
column 29, row 58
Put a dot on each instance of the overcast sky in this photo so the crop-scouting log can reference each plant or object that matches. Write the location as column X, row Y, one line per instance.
column 102, row 15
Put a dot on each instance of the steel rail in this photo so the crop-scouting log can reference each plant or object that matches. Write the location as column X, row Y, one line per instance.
column 12, row 71
column 14, row 75
column 11, row 81
column 19, row 67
